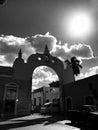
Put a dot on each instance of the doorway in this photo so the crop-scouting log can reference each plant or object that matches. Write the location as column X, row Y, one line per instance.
column 69, row 103
column 10, row 100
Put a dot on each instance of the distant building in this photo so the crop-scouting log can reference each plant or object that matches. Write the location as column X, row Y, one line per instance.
column 43, row 95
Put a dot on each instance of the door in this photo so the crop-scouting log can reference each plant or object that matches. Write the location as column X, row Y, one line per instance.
column 69, row 103
column 10, row 101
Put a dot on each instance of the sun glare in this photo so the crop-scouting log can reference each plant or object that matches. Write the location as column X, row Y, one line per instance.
column 79, row 25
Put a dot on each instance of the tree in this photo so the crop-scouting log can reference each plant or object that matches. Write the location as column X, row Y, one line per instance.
column 55, row 84
column 75, row 63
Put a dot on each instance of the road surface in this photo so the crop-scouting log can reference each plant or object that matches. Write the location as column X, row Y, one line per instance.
column 36, row 122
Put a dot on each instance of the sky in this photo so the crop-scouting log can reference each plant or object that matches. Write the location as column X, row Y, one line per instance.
column 68, row 27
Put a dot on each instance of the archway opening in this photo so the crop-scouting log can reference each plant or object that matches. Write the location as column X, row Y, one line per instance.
column 42, row 90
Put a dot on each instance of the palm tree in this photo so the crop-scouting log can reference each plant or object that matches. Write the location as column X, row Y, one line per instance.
column 75, row 63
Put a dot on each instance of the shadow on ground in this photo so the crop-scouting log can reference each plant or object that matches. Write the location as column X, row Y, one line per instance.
column 84, row 126
column 28, row 122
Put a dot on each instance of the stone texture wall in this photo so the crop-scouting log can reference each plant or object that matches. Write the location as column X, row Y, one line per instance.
column 3, row 80
column 23, row 104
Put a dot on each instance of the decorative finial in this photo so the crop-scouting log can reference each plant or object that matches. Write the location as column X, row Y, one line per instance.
column 46, row 47
column 46, row 51
column 20, row 54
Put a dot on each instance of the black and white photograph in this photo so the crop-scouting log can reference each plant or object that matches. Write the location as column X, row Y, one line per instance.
column 48, row 64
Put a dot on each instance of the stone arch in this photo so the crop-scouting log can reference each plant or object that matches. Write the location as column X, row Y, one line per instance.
column 36, row 60
column 13, row 84
column 22, row 73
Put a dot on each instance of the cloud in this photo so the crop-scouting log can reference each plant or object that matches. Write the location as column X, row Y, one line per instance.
column 91, row 71
column 9, row 47
column 44, row 73
column 82, row 51
column 39, row 41
column 3, row 61
column 42, row 76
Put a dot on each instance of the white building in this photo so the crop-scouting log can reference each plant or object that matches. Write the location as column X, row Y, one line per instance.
column 43, row 95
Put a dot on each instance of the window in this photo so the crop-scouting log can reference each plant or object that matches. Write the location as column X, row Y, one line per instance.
column 47, row 100
column 39, row 100
column 58, row 100
column 54, row 99
column 11, row 93
column 34, row 101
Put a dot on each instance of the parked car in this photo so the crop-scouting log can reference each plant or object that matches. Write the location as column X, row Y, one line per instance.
column 50, row 108
column 86, row 114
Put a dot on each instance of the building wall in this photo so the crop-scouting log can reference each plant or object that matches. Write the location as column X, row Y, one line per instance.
column 75, row 91
column 24, row 97
column 79, row 90
column 3, row 80
column 52, row 94
column 43, row 95
column 37, row 96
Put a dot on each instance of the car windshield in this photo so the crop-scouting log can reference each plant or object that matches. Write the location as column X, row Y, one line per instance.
column 46, row 105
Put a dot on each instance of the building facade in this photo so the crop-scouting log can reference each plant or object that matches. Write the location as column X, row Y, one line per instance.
column 43, row 95
column 13, row 94
column 81, row 92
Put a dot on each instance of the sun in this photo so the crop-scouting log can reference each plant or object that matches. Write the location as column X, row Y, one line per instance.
column 79, row 25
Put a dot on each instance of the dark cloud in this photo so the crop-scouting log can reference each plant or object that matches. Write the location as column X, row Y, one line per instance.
column 89, row 63
column 82, row 50
column 39, row 41
column 6, row 49
column 10, row 57
column 10, row 45
column 60, row 52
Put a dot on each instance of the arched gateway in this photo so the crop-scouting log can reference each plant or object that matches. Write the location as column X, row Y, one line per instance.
column 22, row 74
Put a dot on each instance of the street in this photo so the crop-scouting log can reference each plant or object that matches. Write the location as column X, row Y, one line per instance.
column 41, row 122
column 36, row 122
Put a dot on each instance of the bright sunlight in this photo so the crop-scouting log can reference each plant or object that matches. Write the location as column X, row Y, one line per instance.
column 79, row 25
